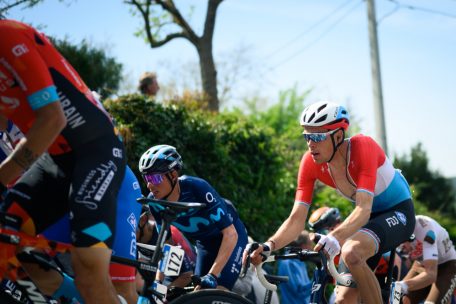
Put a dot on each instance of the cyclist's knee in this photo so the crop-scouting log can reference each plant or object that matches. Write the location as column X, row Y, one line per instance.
column 127, row 290
column 92, row 262
column 351, row 255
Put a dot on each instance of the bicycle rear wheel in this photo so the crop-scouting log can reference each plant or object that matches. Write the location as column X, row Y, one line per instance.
column 210, row 296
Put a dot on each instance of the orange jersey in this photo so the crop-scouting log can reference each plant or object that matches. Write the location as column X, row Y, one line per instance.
column 34, row 74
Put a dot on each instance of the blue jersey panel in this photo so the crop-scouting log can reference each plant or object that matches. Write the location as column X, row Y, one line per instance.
column 202, row 223
column 128, row 212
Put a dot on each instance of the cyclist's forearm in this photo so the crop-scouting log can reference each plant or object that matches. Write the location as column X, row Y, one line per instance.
column 48, row 124
column 422, row 274
column 291, row 228
column 357, row 218
column 229, row 241
column 420, row 281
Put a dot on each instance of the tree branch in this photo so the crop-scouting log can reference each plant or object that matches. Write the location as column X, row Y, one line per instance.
column 18, row 2
column 211, row 13
column 144, row 10
column 168, row 5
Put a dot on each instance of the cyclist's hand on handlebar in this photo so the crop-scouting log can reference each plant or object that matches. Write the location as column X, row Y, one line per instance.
column 328, row 243
column 257, row 253
column 208, row 281
column 403, row 287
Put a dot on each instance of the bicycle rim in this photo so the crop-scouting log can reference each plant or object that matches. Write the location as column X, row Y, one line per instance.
column 211, row 296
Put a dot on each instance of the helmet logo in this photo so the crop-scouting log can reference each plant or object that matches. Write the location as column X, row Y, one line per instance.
column 171, row 165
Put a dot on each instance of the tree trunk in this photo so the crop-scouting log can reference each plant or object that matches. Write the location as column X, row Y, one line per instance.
column 208, row 75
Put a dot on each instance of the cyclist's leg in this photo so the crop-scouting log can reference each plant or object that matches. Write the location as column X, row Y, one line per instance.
column 442, row 290
column 372, row 240
column 355, row 253
column 128, row 211
column 96, row 179
column 39, row 199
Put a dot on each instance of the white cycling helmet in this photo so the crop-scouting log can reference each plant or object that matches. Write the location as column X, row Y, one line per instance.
column 160, row 159
column 325, row 114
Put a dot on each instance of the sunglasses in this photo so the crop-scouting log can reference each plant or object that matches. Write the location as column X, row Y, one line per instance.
column 318, row 137
column 154, row 179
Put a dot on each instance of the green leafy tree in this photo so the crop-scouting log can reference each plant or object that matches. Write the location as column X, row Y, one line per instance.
column 238, row 157
column 100, row 72
column 432, row 189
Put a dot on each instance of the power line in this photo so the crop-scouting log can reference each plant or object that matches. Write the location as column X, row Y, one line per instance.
column 323, row 19
column 309, row 45
column 395, row 9
column 423, row 9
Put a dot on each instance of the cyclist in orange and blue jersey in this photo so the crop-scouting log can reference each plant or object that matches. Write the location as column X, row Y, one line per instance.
column 85, row 166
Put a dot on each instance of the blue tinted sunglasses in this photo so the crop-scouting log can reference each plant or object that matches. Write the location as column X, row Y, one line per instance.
column 317, row 137
column 154, row 179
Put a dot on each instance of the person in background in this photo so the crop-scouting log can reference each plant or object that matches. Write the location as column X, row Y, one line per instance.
column 432, row 277
column 148, row 84
column 298, row 287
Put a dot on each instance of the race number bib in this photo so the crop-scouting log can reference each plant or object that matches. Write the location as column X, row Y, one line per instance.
column 161, row 289
column 396, row 293
column 172, row 260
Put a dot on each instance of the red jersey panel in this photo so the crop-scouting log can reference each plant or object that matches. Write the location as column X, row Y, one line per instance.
column 34, row 74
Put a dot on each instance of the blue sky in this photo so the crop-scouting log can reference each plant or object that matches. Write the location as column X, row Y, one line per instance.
column 290, row 42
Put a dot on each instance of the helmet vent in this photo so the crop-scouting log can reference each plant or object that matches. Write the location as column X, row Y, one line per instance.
column 311, row 117
column 323, row 118
column 321, row 108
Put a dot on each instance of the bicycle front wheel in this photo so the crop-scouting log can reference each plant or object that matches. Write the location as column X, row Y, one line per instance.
column 210, row 296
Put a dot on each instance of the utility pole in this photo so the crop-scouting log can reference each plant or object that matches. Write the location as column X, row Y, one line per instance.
column 380, row 129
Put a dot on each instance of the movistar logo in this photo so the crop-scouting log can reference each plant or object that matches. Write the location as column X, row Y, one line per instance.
column 195, row 221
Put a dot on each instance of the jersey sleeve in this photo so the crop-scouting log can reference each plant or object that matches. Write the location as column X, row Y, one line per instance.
column 430, row 246
column 18, row 54
column 368, row 155
column 306, row 180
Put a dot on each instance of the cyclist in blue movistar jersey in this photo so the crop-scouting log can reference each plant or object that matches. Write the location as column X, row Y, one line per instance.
column 219, row 234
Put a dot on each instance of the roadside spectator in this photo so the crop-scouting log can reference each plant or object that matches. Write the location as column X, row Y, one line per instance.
column 148, row 84
column 298, row 288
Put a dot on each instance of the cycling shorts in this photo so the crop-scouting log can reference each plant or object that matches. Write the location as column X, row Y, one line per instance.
column 83, row 183
column 399, row 221
column 208, row 249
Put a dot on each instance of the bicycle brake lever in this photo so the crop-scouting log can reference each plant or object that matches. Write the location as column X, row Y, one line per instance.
column 246, row 265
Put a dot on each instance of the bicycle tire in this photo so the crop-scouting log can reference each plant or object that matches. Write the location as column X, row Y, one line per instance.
column 211, row 296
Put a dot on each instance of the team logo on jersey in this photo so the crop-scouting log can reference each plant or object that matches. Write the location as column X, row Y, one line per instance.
column 19, row 50
column 95, row 185
column 74, row 118
column 132, row 221
column 430, row 237
column 401, row 217
column 136, row 186
column 117, row 152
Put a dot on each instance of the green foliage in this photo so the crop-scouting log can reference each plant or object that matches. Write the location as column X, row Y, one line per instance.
column 239, row 158
column 252, row 159
column 100, row 72
column 431, row 188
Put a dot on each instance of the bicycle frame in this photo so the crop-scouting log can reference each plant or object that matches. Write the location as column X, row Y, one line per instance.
column 147, row 270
